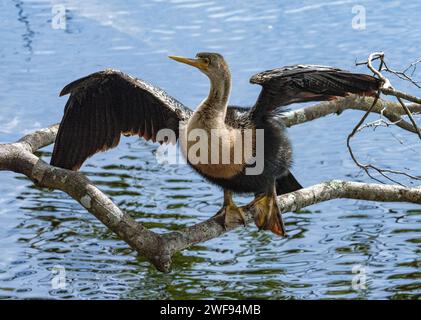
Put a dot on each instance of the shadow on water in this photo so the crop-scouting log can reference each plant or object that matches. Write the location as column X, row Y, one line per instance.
column 331, row 245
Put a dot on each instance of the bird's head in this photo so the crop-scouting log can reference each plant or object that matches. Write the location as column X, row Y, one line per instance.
column 211, row 64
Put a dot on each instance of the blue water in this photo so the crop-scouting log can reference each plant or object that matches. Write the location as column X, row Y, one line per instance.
column 40, row 229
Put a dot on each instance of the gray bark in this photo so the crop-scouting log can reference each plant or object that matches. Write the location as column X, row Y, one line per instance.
column 159, row 248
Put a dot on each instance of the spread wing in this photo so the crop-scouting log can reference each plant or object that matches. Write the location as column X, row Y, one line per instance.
column 106, row 104
column 301, row 83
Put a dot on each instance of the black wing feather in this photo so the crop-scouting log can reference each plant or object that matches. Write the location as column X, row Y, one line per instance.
column 106, row 104
column 302, row 83
column 287, row 183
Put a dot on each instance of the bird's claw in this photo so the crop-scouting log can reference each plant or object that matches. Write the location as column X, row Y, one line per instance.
column 233, row 215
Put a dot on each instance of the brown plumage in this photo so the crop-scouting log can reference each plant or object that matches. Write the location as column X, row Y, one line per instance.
column 106, row 104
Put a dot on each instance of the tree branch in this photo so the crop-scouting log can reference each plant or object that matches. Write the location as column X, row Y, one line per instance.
column 391, row 110
column 159, row 248
column 385, row 88
column 18, row 157
column 335, row 189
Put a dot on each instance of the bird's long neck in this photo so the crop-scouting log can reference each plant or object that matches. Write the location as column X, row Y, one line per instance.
column 214, row 107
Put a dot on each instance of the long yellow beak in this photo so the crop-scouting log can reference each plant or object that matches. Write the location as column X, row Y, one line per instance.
column 198, row 63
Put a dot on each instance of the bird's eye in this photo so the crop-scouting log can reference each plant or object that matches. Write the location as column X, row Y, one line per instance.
column 206, row 60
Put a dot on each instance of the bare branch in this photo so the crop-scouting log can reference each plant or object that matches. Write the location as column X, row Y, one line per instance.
column 159, row 248
column 403, row 74
column 294, row 201
column 19, row 158
column 391, row 110
column 386, row 88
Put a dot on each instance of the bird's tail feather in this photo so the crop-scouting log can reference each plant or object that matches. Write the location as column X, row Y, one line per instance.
column 287, row 183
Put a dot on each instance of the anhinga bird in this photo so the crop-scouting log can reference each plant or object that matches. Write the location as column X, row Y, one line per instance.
column 106, row 104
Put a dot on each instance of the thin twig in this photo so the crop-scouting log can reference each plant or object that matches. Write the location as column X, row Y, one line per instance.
column 386, row 88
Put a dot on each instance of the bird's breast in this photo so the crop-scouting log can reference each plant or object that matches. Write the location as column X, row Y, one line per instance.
column 215, row 149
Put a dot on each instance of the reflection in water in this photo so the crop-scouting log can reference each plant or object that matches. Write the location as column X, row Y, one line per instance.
column 41, row 229
column 28, row 35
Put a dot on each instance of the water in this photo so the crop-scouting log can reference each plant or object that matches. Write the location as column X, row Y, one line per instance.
column 42, row 229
